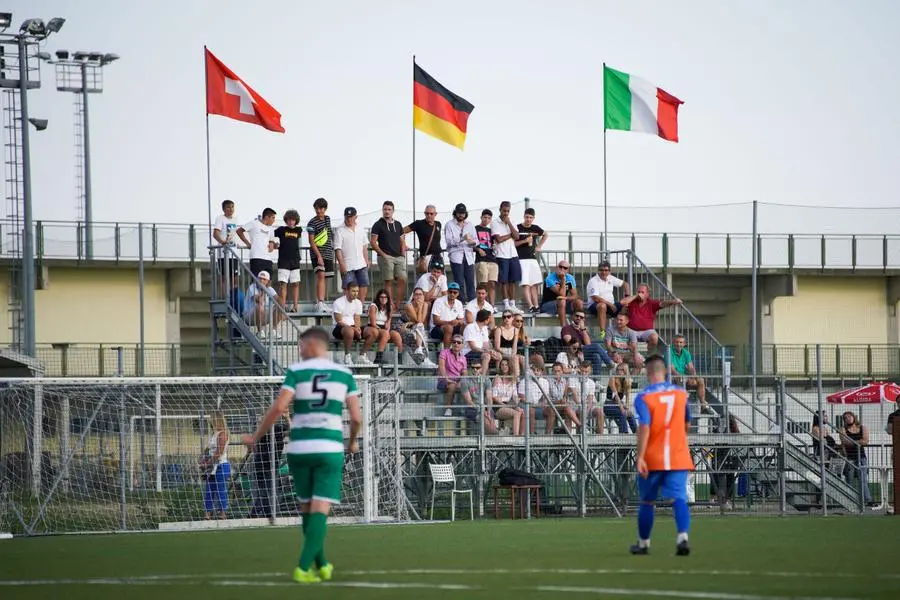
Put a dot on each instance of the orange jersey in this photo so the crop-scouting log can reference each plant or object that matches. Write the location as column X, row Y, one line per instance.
column 663, row 407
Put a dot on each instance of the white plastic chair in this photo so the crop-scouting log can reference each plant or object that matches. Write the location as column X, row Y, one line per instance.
column 444, row 474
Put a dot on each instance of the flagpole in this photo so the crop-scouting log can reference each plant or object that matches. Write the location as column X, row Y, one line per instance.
column 413, row 218
column 605, row 244
column 208, row 176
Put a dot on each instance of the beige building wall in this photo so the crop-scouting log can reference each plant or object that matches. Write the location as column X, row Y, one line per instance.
column 733, row 328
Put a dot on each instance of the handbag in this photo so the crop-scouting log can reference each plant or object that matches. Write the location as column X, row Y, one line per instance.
column 421, row 262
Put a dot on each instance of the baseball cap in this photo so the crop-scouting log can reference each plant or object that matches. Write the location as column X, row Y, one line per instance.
column 436, row 263
column 349, row 211
column 263, row 275
column 460, row 208
column 563, row 263
column 453, row 286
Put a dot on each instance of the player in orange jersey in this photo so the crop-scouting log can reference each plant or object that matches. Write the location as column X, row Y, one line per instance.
column 663, row 456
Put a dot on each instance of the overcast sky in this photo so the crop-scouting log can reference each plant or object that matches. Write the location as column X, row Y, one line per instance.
column 785, row 102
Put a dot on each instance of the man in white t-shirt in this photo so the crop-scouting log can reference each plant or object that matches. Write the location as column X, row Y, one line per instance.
column 505, row 234
column 224, row 233
column 258, row 305
column 477, row 342
column 434, row 282
column 262, row 241
column 351, row 250
column 479, row 303
column 538, row 389
column 447, row 315
column 346, row 313
column 601, row 301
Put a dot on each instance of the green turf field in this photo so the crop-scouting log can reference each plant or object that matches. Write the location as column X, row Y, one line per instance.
column 732, row 559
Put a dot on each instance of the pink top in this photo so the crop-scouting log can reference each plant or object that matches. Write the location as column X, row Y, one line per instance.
column 455, row 364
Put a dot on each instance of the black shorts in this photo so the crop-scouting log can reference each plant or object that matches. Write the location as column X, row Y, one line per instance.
column 260, row 264
column 228, row 265
column 328, row 264
column 336, row 333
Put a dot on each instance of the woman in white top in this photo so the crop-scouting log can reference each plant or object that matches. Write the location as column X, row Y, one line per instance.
column 562, row 397
column 414, row 329
column 218, row 470
column 381, row 313
column 504, row 395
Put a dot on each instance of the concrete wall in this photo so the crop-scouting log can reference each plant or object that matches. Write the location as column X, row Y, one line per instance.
column 733, row 328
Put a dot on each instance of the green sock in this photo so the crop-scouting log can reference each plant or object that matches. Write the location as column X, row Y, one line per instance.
column 320, row 557
column 313, row 540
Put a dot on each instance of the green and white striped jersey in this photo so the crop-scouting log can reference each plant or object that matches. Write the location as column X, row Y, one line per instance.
column 321, row 388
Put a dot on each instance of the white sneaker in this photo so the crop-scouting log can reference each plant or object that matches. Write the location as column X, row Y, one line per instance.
column 427, row 363
column 322, row 307
column 506, row 304
column 261, row 334
column 348, row 360
column 448, row 412
column 364, row 360
column 276, row 334
column 418, row 350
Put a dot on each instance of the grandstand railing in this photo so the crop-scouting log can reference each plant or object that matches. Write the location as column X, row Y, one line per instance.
column 173, row 242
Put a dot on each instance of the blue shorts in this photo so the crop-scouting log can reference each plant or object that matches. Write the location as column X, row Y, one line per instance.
column 509, row 270
column 663, row 484
column 360, row 277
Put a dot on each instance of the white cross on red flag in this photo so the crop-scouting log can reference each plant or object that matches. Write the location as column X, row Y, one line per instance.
column 230, row 96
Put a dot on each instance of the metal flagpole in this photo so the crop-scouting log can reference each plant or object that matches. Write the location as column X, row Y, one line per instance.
column 413, row 218
column 605, row 243
column 753, row 317
column 208, row 176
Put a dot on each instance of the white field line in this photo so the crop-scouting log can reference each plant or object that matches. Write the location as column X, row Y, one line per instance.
column 671, row 593
column 697, row 572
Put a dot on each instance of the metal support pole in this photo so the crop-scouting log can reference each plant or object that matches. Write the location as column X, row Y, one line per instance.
column 88, row 210
column 527, row 380
column 65, row 428
column 273, row 478
column 782, row 414
column 141, row 295
column 753, row 318
column 821, row 397
column 28, row 274
column 157, row 407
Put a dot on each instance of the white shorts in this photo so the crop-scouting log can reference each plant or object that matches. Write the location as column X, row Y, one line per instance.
column 289, row 275
column 531, row 272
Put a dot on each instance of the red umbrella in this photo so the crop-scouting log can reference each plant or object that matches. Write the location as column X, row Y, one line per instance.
column 874, row 393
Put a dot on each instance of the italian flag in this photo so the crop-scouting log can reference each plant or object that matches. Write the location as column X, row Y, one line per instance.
column 632, row 104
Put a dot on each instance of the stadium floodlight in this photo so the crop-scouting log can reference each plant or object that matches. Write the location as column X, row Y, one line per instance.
column 108, row 58
column 5, row 20
column 39, row 124
column 81, row 55
column 35, row 27
column 62, row 54
column 95, row 56
column 43, row 56
column 55, row 24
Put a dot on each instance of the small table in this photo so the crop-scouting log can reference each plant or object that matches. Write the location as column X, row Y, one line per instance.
column 513, row 491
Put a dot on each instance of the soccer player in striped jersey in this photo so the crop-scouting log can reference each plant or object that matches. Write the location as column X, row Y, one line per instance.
column 663, row 456
column 318, row 390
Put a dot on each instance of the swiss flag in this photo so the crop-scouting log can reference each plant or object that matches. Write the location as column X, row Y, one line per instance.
column 228, row 95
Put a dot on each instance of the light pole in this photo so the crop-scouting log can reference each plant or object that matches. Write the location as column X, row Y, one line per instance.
column 82, row 73
column 30, row 33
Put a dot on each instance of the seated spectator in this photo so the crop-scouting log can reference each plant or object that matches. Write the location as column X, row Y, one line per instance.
column 452, row 367
column 414, row 328
column 561, row 399
column 683, row 365
column 560, row 297
column 621, row 342
column 533, row 389
column 477, row 342
column 479, row 303
column 347, row 315
column 476, row 381
column 823, row 433
column 601, row 300
column 618, row 399
column 593, row 352
column 447, row 316
column 642, row 311
column 433, row 283
column 258, row 302
column 588, row 393
column 381, row 316
column 503, row 397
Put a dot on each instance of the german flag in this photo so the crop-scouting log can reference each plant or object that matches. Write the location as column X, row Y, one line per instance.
column 437, row 111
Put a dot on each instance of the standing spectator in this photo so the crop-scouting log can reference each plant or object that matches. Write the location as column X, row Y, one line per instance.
column 347, row 314
column 477, row 342
column 452, row 366
column 600, row 298
column 683, row 366
column 262, row 242
column 533, row 392
column 531, row 239
column 725, row 464
column 485, row 262
column 479, row 303
column 416, row 336
column 224, row 231
column 269, row 447
column 321, row 250
column 352, row 252
column 258, row 303
column 389, row 244
column 217, row 467
column 560, row 296
column 289, row 258
column 621, row 342
column 428, row 234
column 823, row 433
column 594, row 353
column 380, row 319
column 460, row 236
column 854, row 439
column 505, row 234
column 561, row 399
column 642, row 311
column 503, row 397
column 433, row 283
column 447, row 315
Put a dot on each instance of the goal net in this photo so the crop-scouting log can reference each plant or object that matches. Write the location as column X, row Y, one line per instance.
column 91, row 455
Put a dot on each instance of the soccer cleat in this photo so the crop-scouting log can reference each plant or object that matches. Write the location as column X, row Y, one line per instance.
column 638, row 549
column 326, row 571
column 301, row 576
column 682, row 549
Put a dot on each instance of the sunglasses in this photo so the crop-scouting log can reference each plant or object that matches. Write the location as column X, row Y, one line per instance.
column 577, row 317
column 507, row 316
column 457, row 341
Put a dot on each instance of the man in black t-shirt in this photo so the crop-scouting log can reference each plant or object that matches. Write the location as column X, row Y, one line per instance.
column 263, row 453
column 890, row 421
column 389, row 244
column 289, row 259
column 531, row 240
column 428, row 234
column 486, row 271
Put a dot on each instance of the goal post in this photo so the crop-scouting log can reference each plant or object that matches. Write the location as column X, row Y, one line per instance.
column 124, row 454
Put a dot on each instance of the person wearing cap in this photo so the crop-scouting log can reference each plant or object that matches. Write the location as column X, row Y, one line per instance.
column 461, row 239
column 433, row 282
column 351, row 248
column 509, row 269
column 258, row 305
column 428, row 234
column 601, row 300
column 389, row 244
column 531, row 239
column 485, row 262
column 560, row 296
column 447, row 315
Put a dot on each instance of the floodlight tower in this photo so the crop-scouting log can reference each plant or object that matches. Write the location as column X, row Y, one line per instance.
column 81, row 73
